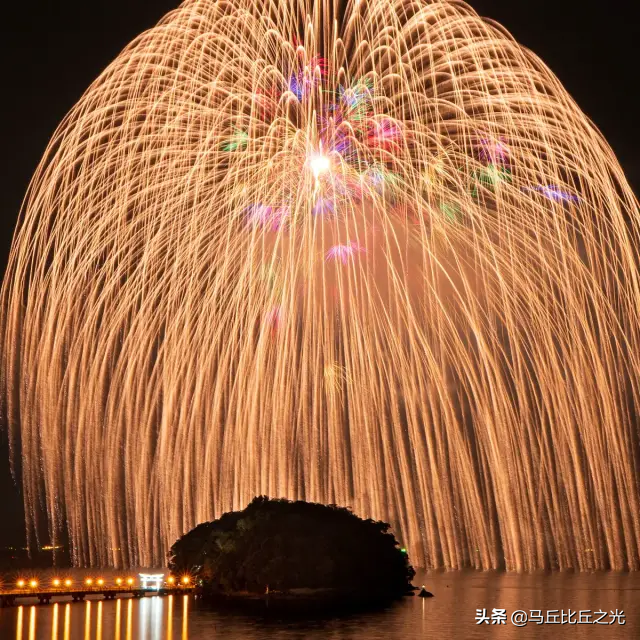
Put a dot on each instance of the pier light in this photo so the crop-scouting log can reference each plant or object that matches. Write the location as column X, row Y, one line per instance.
column 88, row 581
column 100, row 581
column 118, row 581
column 56, row 583
column 185, row 580
column 67, row 583
column 171, row 580
column 20, row 584
column 151, row 581
column 33, row 584
column 130, row 581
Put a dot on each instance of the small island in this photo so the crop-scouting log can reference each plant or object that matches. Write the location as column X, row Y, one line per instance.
column 294, row 555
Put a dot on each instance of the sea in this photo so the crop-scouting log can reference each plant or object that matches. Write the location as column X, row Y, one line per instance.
column 466, row 605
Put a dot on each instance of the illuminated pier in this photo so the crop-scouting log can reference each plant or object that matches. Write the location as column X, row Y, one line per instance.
column 78, row 590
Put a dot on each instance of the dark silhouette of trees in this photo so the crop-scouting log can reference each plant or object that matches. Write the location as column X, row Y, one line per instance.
column 279, row 545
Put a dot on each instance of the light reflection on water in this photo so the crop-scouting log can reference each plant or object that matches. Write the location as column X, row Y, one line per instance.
column 150, row 618
column 450, row 615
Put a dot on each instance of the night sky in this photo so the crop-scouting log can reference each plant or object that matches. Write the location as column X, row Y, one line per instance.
column 53, row 49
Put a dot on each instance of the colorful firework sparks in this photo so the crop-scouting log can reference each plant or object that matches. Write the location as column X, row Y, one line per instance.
column 308, row 78
column 435, row 173
column 379, row 177
column 183, row 333
column 493, row 151
column 265, row 101
column 489, row 177
column 356, row 101
column 351, row 185
column 344, row 145
column 238, row 141
column 299, row 85
column 318, row 63
column 384, row 132
column 360, row 91
column 346, row 121
column 274, row 317
column 451, row 211
column 344, row 252
column 323, row 207
column 493, row 174
column 553, row 192
column 268, row 217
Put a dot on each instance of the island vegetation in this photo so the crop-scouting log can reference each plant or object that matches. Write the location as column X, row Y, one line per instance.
column 282, row 550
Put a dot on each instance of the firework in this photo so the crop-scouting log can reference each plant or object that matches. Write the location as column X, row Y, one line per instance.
column 375, row 257
column 344, row 252
column 553, row 193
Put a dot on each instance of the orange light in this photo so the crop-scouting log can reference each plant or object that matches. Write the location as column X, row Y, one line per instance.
column 171, row 579
column 118, row 580
column 21, row 583
column 130, row 581
column 185, row 580
column 67, row 583
column 33, row 584
column 100, row 581
column 56, row 583
column 89, row 581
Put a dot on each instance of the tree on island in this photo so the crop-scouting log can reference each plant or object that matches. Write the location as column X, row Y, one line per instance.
column 280, row 545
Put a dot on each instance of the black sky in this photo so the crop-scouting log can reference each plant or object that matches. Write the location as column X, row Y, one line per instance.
column 52, row 49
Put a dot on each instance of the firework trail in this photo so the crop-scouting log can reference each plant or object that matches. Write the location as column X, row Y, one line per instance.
column 370, row 254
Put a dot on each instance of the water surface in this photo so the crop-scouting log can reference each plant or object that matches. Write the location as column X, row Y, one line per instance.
column 451, row 614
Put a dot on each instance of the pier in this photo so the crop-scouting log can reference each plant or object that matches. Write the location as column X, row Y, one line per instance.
column 45, row 592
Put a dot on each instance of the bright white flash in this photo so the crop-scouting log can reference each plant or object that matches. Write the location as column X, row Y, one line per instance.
column 319, row 164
